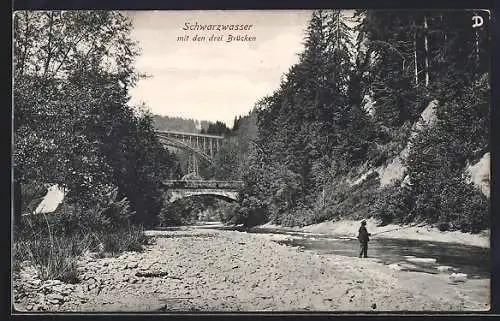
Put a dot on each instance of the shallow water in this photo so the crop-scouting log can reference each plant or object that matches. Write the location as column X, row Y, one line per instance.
column 472, row 260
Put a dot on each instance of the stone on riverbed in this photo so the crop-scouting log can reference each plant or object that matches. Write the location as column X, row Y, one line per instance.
column 458, row 277
column 421, row 260
column 444, row 268
column 151, row 273
column 395, row 267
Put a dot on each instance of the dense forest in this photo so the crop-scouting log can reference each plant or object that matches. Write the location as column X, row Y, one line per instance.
column 73, row 125
column 190, row 125
column 352, row 105
column 179, row 124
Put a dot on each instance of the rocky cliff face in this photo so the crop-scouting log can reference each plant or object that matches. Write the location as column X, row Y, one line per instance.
column 396, row 169
column 477, row 173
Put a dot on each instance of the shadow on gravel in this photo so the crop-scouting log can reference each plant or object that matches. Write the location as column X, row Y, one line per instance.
column 172, row 236
column 177, row 305
column 171, row 228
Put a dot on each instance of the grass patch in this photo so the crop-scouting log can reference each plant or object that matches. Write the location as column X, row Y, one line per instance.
column 55, row 255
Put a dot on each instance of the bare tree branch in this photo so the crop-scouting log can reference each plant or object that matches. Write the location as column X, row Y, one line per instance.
column 66, row 54
column 389, row 46
column 49, row 43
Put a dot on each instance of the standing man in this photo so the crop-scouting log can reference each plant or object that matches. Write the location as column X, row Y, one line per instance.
column 363, row 237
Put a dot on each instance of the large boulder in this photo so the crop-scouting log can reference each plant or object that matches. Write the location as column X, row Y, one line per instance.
column 51, row 200
column 479, row 174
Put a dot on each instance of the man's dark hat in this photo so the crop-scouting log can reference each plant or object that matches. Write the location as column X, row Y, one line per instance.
column 363, row 222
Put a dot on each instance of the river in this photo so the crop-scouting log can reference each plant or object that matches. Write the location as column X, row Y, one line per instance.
column 410, row 255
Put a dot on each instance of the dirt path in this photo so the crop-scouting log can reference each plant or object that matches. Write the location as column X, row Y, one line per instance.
column 209, row 270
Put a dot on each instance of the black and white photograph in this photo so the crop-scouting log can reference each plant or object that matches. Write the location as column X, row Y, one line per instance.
column 200, row 161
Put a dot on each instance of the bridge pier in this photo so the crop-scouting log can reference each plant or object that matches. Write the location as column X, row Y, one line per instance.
column 211, row 149
column 193, row 164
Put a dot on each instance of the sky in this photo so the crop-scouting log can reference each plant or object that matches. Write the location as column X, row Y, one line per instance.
column 213, row 80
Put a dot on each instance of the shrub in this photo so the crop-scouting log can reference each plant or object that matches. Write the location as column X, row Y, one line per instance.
column 71, row 218
column 342, row 200
column 169, row 216
column 443, row 226
column 393, row 204
column 31, row 196
column 184, row 211
column 465, row 207
column 449, row 203
column 54, row 242
column 252, row 212
column 127, row 239
column 229, row 212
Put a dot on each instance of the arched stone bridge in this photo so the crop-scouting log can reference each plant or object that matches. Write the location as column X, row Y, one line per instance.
column 226, row 190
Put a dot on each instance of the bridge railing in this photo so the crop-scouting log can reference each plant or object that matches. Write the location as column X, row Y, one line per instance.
column 202, row 184
column 174, row 133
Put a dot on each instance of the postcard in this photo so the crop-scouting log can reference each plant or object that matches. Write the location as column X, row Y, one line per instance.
column 251, row 161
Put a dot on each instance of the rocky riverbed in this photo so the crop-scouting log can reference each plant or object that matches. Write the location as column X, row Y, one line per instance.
column 210, row 270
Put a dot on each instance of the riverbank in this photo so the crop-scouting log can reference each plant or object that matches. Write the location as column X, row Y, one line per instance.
column 349, row 228
column 211, row 270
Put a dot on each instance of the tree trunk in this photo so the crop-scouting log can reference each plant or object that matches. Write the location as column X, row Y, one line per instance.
column 49, row 44
column 27, row 33
column 476, row 38
column 415, row 53
column 17, row 202
column 338, row 29
column 444, row 37
column 426, row 47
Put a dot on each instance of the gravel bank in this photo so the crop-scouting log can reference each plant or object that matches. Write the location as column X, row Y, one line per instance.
column 209, row 270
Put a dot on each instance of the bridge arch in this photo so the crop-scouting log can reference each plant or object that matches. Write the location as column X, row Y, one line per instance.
column 178, row 144
column 200, row 146
column 226, row 190
column 225, row 196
